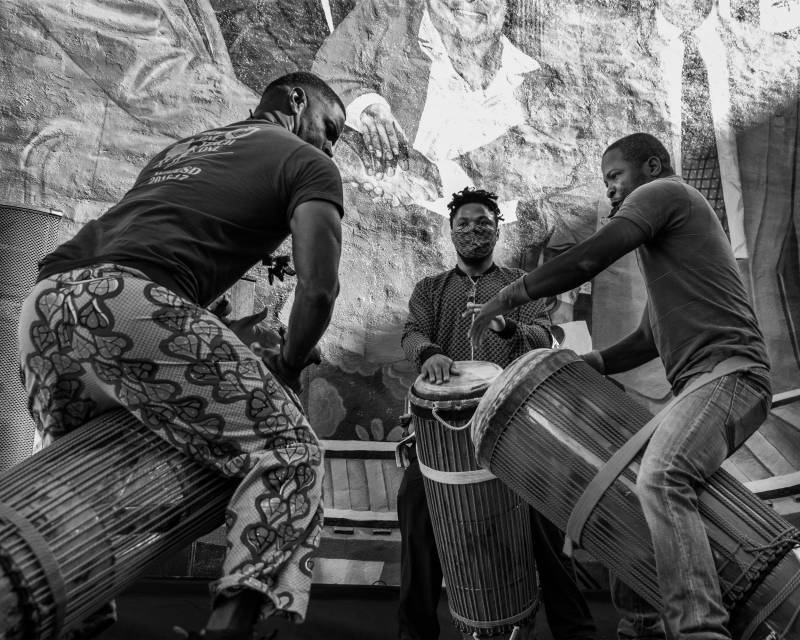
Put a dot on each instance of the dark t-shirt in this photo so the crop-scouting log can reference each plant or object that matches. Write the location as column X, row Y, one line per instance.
column 699, row 311
column 206, row 209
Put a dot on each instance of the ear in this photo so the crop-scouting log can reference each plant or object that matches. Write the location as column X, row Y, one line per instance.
column 653, row 166
column 298, row 100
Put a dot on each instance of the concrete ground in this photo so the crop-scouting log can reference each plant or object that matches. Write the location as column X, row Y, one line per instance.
column 149, row 609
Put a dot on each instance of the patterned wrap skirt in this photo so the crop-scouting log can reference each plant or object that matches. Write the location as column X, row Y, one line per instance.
column 105, row 336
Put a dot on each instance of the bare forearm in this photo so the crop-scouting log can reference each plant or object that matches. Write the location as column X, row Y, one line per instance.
column 316, row 246
column 308, row 320
column 632, row 351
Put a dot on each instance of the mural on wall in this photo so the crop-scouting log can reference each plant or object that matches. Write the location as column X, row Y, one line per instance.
column 516, row 96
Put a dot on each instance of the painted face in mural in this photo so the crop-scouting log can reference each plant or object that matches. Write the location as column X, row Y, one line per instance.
column 474, row 232
column 622, row 176
column 469, row 20
column 320, row 122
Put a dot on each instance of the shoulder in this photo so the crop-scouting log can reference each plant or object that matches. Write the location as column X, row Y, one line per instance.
column 435, row 280
column 307, row 159
column 671, row 184
column 664, row 192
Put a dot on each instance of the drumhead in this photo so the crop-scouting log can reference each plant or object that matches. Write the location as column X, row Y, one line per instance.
column 473, row 379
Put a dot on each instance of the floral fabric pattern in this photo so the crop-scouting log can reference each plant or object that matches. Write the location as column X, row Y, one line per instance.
column 105, row 336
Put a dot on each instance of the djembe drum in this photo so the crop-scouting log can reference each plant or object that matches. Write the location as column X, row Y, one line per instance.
column 482, row 529
column 82, row 519
column 546, row 426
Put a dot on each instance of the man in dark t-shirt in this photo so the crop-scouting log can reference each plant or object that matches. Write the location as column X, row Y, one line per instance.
column 118, row 318
column 698, row 320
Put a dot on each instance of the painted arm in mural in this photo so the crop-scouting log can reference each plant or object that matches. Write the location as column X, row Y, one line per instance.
column 374, row 154
column 418, row 182
column 566, row 271
column 417, row 342
column 348, row 61
column 164, row 62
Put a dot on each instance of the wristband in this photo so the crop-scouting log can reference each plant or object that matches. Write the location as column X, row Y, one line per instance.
column 513, row 295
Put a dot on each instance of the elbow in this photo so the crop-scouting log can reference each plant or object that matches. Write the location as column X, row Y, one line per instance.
column 319, row 295
column 588, row 267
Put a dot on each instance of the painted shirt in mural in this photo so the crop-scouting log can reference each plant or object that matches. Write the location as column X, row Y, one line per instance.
column 475, row 117
column 435, row 324
column 699, row 310
column 713, row 51
column 206, row 209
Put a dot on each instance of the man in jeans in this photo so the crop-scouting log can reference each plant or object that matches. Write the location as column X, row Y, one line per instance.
column 698, row 316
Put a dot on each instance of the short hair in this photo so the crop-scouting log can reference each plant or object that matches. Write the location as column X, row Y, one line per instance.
column 638, row 147
column 479, row 196
column 307, row 81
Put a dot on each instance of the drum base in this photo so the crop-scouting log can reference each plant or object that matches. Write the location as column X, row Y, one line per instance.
column 525, row 631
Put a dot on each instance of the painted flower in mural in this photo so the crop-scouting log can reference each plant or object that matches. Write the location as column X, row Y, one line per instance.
column 377, row 432
column 325, row 407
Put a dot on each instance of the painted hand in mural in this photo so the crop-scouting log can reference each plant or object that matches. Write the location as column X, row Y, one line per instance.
column 385, row 140
column 416, row 179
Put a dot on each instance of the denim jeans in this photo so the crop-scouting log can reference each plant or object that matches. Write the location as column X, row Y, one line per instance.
column 688, row 446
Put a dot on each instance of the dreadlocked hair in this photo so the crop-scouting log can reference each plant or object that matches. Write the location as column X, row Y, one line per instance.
column 480, row 196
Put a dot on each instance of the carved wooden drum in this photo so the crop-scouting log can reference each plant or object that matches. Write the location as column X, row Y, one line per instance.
column 549, row 422
column 482, row 529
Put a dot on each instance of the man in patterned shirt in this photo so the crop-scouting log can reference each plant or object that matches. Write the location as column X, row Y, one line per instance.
column 435, row 335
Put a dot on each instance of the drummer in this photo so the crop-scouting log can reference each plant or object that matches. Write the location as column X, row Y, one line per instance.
column 698, row 315
column 435, row 335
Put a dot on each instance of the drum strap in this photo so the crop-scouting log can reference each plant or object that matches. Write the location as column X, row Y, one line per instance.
column 617, row 463
column 771, row 606
column 41, row 549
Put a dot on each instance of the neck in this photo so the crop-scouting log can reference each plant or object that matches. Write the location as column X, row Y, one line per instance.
column 475, row 268
column 274, row 117
column 478, row 62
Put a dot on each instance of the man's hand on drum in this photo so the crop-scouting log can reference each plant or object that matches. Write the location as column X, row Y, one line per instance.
column 438, row 369
column 496, row 323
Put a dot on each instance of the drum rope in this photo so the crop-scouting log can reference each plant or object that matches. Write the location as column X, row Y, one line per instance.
column 771, row 606
column 447, row 425
column 753, row 574
column 490, row 624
